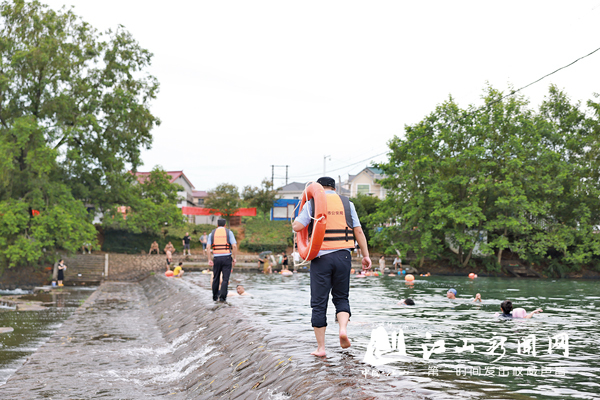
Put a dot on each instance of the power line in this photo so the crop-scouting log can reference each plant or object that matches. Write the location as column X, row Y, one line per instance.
column 345, row 166
column 513, row 92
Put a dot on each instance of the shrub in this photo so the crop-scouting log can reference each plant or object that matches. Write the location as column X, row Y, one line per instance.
column 264, row 235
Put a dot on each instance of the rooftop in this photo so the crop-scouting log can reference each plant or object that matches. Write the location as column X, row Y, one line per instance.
column 141, row 176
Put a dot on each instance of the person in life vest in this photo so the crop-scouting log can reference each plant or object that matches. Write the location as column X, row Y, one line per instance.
column 222, row 249
column 330, row 270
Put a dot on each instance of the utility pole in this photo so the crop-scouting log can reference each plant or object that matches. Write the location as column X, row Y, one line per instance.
column 324, row 160
column 273, row 174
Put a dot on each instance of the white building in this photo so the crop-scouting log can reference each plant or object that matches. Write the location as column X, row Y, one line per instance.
column 292, row 191
column 365, row 182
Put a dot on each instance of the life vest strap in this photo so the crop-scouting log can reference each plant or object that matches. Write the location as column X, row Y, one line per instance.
column 348, row 235
column 335, row 238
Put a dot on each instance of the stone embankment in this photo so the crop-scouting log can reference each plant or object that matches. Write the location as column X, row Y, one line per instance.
column 165, row 338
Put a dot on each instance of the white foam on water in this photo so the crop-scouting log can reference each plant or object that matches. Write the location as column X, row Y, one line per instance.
column 159, row 351
column 15, row 291
column 277, row 396
column 165, row 373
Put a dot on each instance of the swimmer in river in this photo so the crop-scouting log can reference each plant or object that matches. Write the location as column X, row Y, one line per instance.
column 407, row 302
column 240, row 292
column 522, row 313
column 451, row 294
column 506, row 307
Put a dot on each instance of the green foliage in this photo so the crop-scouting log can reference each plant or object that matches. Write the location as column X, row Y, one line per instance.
column 260, row 197
column 529, row 179
column 26, row 239
column 151, row 207
column 267, row 235
column 195, row 230
column 74, row 111
column 225, row 199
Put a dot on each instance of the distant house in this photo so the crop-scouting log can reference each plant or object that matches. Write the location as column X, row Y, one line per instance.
column 365, row 182
column 289, row 198
column 199, row 198
column 186, row 198
column 291, row 190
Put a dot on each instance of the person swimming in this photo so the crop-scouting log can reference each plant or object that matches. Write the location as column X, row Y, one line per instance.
column 407, row 302
column 451, row 294
column 240, row 292
column 506, row 307
column 522, row 313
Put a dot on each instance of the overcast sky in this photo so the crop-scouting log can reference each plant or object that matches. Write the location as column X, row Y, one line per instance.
column 248, row 84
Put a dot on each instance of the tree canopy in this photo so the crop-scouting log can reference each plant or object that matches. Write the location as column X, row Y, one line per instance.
column 528, row 179
column 261, row 197
column 74, row 115
column 224, row 199
column 151, row 208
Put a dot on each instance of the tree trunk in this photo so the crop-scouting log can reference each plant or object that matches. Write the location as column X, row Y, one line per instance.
column 501, row 250
column 468, row 257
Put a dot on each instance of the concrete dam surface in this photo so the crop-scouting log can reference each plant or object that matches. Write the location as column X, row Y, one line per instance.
column 166, row 338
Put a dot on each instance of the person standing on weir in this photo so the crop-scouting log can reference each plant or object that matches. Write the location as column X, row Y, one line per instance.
column 330, row 270
column 222, row 247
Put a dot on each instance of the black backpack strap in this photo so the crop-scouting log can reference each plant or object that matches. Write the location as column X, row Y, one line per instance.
column 212, row 238
column 347, row 211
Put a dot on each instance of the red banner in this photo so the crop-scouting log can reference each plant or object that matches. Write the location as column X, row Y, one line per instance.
column 242, row 212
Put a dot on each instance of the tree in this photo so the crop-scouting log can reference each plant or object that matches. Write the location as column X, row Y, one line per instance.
column 224, row 199
column 152, row 206
column 261, row 197
column 74, row 112
column 528, row 179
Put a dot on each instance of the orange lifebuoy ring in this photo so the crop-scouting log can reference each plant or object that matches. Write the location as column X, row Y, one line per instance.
column 309, row 249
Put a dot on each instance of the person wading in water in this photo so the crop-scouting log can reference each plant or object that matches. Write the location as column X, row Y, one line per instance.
column 330, row 270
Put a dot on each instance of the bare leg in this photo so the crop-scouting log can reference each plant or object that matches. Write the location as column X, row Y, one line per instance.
column 343, row 318
column 320, row 335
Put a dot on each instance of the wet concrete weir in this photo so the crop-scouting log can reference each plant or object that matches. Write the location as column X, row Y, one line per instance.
column 166, row 338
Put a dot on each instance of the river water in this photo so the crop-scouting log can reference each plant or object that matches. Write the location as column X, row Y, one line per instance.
column 33, row 328
column 472, row 354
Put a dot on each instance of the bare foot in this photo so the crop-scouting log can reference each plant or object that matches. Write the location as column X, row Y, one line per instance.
column 344, row 341
column 318, row 353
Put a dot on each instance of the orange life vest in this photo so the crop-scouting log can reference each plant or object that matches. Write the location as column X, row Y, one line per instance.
column 219, row 241
column 339, row 233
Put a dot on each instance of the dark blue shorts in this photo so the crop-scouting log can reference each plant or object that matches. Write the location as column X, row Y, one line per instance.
column 329, row 273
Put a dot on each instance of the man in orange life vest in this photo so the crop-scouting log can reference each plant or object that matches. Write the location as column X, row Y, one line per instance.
column 221, row 244
column 330, row 270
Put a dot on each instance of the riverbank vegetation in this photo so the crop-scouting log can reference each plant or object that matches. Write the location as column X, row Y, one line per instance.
column 74, row 116
column 262, row 234
column 480, row 181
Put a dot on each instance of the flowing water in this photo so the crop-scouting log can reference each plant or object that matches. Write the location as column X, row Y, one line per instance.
column 472, row 353
column 33, row 328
